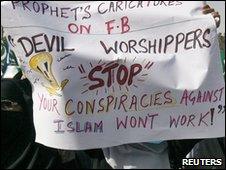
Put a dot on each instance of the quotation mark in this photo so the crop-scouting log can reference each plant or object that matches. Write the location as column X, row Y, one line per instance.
column 221, row 109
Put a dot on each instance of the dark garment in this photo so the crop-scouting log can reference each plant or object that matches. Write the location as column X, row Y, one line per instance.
column 178, row 149
column 91, row 159
column 29, row 156
column 213, row 148
column 18, row 147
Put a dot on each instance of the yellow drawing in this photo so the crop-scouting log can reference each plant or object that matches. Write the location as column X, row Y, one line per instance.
column 42, row 63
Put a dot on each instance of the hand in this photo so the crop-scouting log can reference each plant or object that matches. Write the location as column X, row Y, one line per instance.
column 207, row 10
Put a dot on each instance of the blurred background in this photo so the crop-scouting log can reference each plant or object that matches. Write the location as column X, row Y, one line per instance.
column 220, row 7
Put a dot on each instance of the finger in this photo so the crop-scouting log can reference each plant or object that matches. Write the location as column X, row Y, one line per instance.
column 206, row 7
column 216, row 14
column 208, row 11
column 217, row 18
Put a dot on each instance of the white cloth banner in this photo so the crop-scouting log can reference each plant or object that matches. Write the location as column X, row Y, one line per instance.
column 106, row 73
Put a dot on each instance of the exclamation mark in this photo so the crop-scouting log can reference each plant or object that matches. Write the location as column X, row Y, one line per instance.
column 212, row 113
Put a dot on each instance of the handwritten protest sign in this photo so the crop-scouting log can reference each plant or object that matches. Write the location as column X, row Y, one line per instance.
column 117, row 72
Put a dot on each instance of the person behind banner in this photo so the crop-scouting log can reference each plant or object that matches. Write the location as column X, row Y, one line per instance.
column 19, row 149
